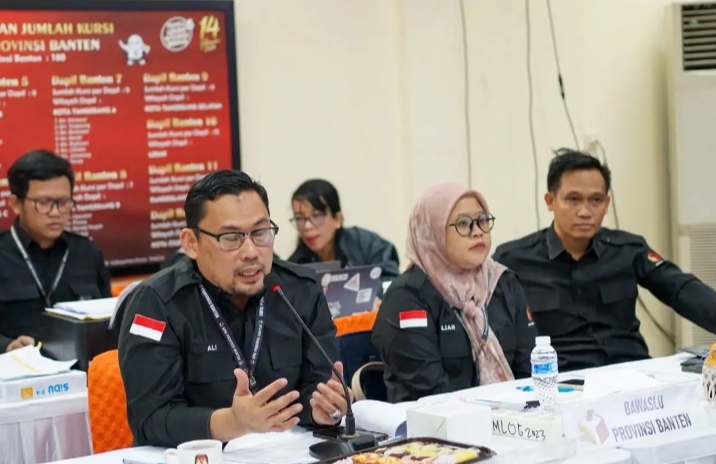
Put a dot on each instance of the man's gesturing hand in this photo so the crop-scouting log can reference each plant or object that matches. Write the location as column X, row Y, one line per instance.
column 258, row 413
column 329, row 403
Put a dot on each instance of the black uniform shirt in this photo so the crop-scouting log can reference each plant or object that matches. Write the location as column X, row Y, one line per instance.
column 21, row 302
column 588, row 306
column 175, row 381
column 355, row 246
column 423, row 361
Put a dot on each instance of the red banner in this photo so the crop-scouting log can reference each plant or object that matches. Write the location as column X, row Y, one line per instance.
column 138, row 102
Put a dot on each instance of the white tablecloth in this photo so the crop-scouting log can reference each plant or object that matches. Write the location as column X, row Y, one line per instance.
column 44, row 430
column 146, row 454
column 504, row 446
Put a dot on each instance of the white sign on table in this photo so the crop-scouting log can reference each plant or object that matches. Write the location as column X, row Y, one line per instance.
column 628, row 416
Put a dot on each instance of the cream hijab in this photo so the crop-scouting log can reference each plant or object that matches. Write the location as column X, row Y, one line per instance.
column 467, row 291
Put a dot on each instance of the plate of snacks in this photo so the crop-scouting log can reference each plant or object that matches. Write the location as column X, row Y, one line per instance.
column 418, row 451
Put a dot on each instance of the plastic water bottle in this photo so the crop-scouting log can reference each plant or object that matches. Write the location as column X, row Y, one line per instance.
column 544, row 373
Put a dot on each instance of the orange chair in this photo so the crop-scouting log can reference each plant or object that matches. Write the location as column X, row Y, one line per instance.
column 107, row 404
column 359, row 322
column 121, row 283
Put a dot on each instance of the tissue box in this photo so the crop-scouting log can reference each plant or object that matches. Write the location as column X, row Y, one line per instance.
column 32, row 388
column 456, row 421
column 527, row 425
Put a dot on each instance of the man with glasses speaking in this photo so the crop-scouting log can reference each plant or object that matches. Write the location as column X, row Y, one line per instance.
column 206, row 351
column 42, row 263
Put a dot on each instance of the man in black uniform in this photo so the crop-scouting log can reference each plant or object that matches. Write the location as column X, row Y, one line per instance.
column 581, row 279
column 186, row 329
column 42, row 263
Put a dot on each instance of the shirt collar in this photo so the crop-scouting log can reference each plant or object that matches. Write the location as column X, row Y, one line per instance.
column 555, row 247
column 26, row 241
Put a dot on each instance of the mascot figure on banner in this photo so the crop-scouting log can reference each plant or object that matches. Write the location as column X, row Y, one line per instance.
column 136, row 49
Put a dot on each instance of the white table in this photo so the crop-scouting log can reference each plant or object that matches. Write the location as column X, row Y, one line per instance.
column 145, row 454
column 43, row 430
column 502, row 445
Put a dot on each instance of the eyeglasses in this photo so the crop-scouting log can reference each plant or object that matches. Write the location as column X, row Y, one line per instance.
column 316, row 219
column 230, row 241
column 46, row 205
column 465, row 226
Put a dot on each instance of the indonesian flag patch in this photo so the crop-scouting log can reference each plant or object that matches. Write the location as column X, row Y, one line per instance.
column 147, row 327
column 413, row 318
column 654, row 258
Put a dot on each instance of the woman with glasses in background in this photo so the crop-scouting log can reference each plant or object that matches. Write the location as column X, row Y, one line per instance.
column 455, row 319
column 318, row 219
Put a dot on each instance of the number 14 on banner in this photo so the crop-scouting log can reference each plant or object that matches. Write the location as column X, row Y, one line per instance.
column 209, row 29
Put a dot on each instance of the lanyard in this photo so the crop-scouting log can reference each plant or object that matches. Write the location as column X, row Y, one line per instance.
column 485, row 333
column 231, row 341
column 28, row 261
column 485, row 329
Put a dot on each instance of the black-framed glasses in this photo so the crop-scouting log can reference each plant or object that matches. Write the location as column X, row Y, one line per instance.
column 316, row 219
column 46, row 205
column 230, row 241
column 465, row 226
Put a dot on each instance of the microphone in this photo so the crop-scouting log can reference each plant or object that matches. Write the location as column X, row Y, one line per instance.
column 345, row 443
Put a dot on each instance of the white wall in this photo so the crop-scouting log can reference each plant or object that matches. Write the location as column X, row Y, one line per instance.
column 369, row 94
column 319, row 92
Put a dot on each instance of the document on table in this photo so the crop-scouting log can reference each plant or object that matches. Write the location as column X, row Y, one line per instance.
column 28, row 362
column 600, row 383
column 289, row 447
column 381, row 417
column 85, row 310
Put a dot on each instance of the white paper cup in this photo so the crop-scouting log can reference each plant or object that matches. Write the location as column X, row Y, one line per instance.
column 196, row 452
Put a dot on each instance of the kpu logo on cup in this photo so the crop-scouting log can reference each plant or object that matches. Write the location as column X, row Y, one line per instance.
column 176, row 33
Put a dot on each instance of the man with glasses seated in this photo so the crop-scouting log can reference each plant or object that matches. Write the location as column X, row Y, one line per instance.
column 42, row 263
column 205, row 351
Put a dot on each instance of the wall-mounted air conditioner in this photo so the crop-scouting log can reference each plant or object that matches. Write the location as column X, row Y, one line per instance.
column 691, row 69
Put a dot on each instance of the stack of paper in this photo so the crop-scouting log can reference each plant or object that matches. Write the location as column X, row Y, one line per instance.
column 28, row 362
column 290, row 447
column 601, row 383
column 380, row 417
column 86, row 310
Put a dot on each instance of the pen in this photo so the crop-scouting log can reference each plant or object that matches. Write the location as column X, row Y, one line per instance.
column 560, row 388
column 499, row 404
column 39, row 345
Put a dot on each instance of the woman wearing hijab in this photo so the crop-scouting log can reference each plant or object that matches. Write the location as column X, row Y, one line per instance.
column 455, row 318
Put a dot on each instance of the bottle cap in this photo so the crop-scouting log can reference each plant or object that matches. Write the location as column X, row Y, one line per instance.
column 543, row 340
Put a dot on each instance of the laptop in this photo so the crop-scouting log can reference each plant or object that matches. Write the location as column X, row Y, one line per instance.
column 700, row 351
column 324, row 266
column 695, row 364
column 350, row 290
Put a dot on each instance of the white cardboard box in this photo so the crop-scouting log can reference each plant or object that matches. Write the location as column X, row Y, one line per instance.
column 452, row 420
column 32, row 388
column 527, row 425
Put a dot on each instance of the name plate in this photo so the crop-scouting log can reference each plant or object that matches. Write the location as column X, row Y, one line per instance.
column 527, row 425
column 625, row 417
